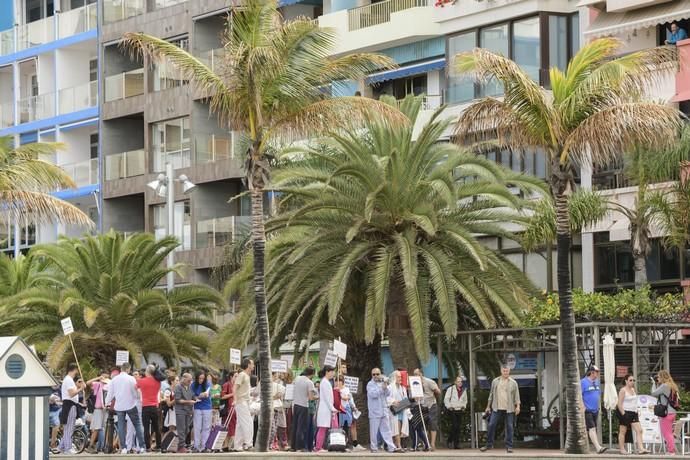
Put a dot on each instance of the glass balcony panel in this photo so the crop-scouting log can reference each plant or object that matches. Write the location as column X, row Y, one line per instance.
column 125, row 164
column 6, row 42
column 123, row 85
column 78, row 97
column 83, row 172
column 118, row 10
column 35, row 33
column 220, row 230
column 211, row 147
column 36, row 107
column 78, row 20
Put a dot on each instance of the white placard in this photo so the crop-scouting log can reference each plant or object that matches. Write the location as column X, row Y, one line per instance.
column 289, row 392
column 651, row 431
column 121, row 357
column 340, row 349
column 235, row 356
column 278, row 365
column 220, row 440
column 352, row 383
column 331, row 359
column 67, row 327
column 289, row 359
column 416, row 387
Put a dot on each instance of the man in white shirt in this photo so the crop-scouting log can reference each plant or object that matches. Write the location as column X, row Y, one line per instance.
column 70, row 399
column 123, row 389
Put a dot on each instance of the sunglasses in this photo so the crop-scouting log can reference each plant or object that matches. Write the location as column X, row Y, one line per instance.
column 631, row 380
column 375, row 375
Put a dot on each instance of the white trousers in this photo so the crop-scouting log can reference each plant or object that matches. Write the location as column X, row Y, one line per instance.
column 244, row 431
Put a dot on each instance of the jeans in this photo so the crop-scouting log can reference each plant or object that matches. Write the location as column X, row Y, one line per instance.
column 455, row 422
column 496, row 416
column 133, row 415
column 149, row 415
column 300, row 427
column 202, row 427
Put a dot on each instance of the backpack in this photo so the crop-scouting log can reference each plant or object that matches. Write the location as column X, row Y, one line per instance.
column 674, row 400
column 159, row 375
column 91, row 403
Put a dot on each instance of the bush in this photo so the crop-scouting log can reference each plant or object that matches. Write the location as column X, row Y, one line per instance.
column 630, row 305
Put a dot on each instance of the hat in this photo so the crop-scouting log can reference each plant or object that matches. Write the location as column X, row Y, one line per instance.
column 592, row 368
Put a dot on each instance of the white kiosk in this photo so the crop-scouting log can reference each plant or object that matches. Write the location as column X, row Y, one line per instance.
column 25, row 386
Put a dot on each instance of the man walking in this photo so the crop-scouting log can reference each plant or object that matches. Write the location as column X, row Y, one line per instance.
column 303, row 392
column 184, row 410
column 150, row 395
column 504, row 403
column 70, row 399
column 123, row 389
column 431, row 392
column 379, row 422
column 244, row 433
column 591, row 398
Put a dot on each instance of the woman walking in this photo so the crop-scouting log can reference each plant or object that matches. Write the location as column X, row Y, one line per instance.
column 666, row 390
column 202, row 410
column 627, row 415
column 326, row 410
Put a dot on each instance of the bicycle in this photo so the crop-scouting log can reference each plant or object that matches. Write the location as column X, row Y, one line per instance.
column 80, row 437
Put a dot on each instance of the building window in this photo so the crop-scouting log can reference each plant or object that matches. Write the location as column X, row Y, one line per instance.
column 558, row 41
column 182, row 220
column 460, row 88
column 166, row 75
column 494, row 38
column 526, row 46
column 401, row 87
column 93, row 140
column 171, row 144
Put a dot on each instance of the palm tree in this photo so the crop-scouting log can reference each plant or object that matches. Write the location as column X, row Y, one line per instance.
column 26, row 182
column 107, row 284
column 272, row 87
column 396, row 218
column 594, row 111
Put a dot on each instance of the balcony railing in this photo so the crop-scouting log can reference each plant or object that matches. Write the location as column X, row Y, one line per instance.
column 78, row 20
column 125, row 164
column 212, row 58
column 211, row 147
column 429, row 101
column 6, row 114
column 165, row 3
column 84, row 172
column 6, row 42
column 178, row 158
column 610, row 179
column 166, row 76
column 35, row 33
column 379, row 13
column 78, row 97
column 123, row 85
column 220, row 230
column 36, row 107
column 118, row 10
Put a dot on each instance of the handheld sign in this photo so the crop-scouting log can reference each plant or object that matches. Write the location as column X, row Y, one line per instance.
column 331, row 359
column 289, row 392
column 290, row 359
column 416, row 388
column 235, row 356
column 352, row 384
column 121, row 357
column 340, row 349
column 278, row 365
column 67, row 327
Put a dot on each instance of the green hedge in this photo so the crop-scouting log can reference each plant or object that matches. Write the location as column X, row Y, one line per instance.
column 626, row 305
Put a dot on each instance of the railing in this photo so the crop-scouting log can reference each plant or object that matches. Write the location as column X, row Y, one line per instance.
column 178, row 158
column 167, row 76
column 123, row 85
column 6, row 114
column 118, row 10
column 78, row 97
column 212, row 58
column 6, row 42
column 166, row 3
column 610, row 179
column 36, row 107
column 78, row 20
column 83, row 172
column 210, row 147
column 125, row 164
column 220, row 230
column 35, row 33
column 429, row 101
column 379, row 13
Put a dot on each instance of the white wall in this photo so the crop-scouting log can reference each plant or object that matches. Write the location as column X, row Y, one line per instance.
column 6, row 84
column 78, row 145
column 46, row 73
column 72, row 67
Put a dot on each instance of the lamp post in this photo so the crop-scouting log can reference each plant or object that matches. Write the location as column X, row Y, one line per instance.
column 164, row 185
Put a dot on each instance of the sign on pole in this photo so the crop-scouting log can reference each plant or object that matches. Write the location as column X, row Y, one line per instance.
column 289, row 392
column 67, row 327
column 121, row 357
column 289, row 359
column 235, row 356
column 340, row 349
column 416, row 388
column 331, row 359
column 278, row 365
column 352, row 384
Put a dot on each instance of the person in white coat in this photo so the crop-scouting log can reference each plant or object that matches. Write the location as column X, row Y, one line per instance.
column 399, row 421
column 455, row 401
column 326, row 410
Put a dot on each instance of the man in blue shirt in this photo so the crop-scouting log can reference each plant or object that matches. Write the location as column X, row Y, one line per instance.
column 677, row 34
column 591, row 397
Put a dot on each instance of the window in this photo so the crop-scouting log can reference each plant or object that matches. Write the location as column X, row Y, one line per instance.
column 558, row 41
column 460, row 88
column 93, row 140
column 93, row 70
column 171, row 144
column 182, row 223
column 494, row 38
column 526, row 46
column 401, row 87
column 165, row 75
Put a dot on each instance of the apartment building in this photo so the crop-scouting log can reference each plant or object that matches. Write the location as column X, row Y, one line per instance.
column 49, row 92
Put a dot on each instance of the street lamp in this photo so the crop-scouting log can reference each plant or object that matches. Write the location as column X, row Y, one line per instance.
column 164, row 186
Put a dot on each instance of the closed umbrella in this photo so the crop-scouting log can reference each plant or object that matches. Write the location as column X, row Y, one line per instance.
column 610, row 396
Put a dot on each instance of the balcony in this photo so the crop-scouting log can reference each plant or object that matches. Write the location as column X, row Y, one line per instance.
column 78, row 20
column 429, row 101
column 220, row 230
column 125, row 164
column 78, row 97
column 6, row 114
column 212, row 58
column 119, row 10
column 178, row 158
column 83, row 173
column 35, row 33
column 6, row 42
column 393, row 21
column 124, row 85
column 37, row 107
column 209, row 148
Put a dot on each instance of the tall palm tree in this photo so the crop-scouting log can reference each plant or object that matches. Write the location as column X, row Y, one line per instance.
column 272, row 87
column 396, row 218
column 594, row 112
column 108, row 285
column 26, row 182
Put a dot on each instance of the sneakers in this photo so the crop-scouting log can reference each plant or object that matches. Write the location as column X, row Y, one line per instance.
column 182, row 450
column 124, row 452
column 484, row 449
column 359, row 448
column 509, row 451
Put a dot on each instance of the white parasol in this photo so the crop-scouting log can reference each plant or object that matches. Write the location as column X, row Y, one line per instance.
column 610, row 394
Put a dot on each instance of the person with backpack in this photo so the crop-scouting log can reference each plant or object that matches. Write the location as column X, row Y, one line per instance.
column 666, row 391
column 94, row 405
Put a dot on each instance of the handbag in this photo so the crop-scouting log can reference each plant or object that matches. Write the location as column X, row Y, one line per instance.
column 661, row 410
column 401, row 406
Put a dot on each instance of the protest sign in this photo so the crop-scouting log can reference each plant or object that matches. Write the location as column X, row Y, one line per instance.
column 235, row 356
column 67, row 327
column 278, row 365
column 416, row 388
column 121, row 357
column 352, row 383
column 340, row 349
column 331, row 359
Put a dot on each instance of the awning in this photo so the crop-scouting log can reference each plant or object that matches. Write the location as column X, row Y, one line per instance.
column 613, row 23
column 414, row 69
column 76, row 192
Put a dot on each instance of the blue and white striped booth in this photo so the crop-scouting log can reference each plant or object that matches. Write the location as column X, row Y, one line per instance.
column 25, row 386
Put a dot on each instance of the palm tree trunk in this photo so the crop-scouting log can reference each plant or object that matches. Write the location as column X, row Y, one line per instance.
column 264, row 340
column 366, row 357
column 400, row 343
column 576, row 438
column 640, row 267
